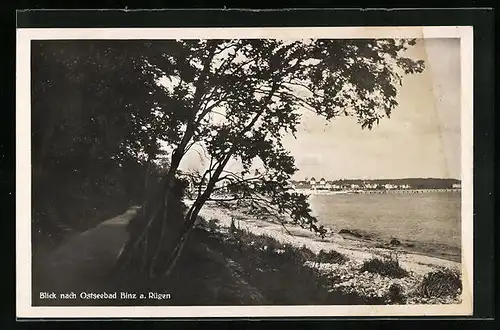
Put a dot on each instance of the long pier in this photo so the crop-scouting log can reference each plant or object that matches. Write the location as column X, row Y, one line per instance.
column 383, row 191
column 402, row 191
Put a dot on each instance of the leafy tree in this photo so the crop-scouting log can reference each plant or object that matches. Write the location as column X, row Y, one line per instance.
column 95, row 129
column 235, row 100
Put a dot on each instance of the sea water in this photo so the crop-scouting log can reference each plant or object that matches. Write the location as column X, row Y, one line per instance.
column 430, row 219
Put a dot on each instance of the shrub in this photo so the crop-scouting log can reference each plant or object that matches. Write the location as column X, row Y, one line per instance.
column 332, row 257
column 395, row 242
column 213, row 225
column 267, row 242
column 297, row 255
column 201, row 222
column 395, row 295
column 232, row 227
column 352, row 232
column 441, row 283
column 389, row 266
column 306, row 253
column 243, row 235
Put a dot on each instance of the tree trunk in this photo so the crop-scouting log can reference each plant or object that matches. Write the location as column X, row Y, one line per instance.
column 195, row 209
column 155, row 225
column 164, row 233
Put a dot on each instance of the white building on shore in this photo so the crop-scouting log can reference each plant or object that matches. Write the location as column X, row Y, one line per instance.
column 371, row 186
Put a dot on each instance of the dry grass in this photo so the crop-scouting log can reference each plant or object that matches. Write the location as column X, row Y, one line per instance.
column 387, row 266
column 332, row 257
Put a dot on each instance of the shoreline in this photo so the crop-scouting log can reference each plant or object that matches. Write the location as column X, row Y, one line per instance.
column 313, row 192
column 417, row 259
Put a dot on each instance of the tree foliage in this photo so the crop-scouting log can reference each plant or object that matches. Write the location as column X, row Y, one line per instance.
column 236, row 99
column 103, row 109
column 93, row 126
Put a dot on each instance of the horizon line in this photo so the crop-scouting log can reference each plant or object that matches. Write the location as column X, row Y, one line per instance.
column 367, row 179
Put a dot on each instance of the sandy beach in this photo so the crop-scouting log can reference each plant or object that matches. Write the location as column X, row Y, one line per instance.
column 349, row 278
column 356, row 249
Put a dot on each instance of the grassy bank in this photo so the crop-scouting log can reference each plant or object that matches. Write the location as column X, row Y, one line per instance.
column 230, row 265
column 370, row 274
column 335, row 278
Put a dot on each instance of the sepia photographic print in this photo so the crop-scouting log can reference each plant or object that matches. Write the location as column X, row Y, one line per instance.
column 244, row 172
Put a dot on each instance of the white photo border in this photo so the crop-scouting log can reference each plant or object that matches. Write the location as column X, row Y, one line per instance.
column 24, row 308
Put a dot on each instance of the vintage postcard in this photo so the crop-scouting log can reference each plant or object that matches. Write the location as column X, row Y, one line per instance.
column 244, row 172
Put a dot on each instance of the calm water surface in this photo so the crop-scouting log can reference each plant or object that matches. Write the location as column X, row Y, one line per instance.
column 424, row 217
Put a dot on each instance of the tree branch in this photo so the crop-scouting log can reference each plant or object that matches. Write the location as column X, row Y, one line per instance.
column 223, row 199
column 207, row 109
column 220, row 50
column 303, row 86
column 198, row 203
column 227, row 62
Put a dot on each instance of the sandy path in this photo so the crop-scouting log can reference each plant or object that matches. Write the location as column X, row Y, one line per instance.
column 81, row 263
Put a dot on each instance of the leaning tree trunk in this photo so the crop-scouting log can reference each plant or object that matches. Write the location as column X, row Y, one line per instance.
column 149, row 240
column 190, row 219
column 158, row 228
column 192, row 214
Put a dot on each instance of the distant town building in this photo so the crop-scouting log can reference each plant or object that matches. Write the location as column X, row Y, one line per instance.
column 322, row 185
column 456, row 186
column 345, row 186
column 335, row 187
column 371, row 186
column 303, row 184
column 312, row 183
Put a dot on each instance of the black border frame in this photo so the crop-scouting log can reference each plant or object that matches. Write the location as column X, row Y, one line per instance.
column 480, row 19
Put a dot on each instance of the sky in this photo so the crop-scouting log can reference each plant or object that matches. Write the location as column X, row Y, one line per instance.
column 421, row 139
